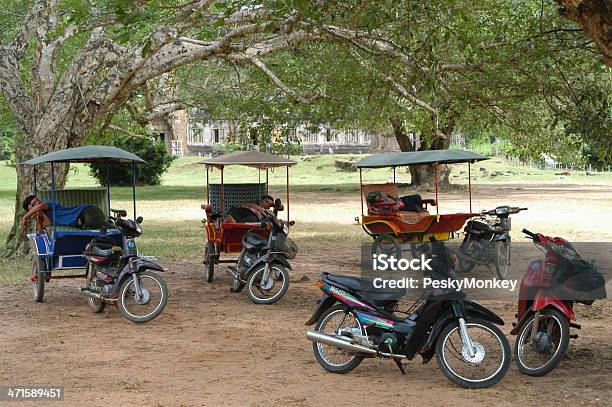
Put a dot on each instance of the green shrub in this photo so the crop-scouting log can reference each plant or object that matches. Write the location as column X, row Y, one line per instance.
column 148, row 173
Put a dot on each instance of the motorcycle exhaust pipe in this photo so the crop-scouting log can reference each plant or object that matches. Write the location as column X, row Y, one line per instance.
column 97, row 296
column 339, row 343
column 348, row 345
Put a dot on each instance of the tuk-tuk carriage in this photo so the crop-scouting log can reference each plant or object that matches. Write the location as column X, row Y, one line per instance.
column 387, row 221
column 224, row 234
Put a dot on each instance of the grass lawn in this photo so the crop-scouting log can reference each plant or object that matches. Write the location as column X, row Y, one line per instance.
column 172, row 214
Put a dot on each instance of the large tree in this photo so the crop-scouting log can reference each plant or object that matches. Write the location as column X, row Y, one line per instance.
column 68, row 66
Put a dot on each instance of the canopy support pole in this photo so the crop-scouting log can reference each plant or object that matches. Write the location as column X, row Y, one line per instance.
column 207, row 188
column 35, row 186
column 134, row 186
column 53, row 193
column 267, row 191
column 287, row 194
column 222, row 196
column 108, row 187
column 470, row 184
column 437, row 206
column 394, row 175
column 361, row 190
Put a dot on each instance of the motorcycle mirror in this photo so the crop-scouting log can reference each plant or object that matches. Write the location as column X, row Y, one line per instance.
column 139, row 220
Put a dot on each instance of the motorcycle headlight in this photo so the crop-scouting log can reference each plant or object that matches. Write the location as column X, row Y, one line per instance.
column 138, row 229
column 285, row 229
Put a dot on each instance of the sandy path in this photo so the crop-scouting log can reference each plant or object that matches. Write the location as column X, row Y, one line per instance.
column 211, row 347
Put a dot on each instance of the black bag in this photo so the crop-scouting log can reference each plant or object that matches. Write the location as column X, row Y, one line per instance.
column 579, row 280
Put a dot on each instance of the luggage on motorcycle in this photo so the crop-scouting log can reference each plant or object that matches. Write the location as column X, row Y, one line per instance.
column 579, row 280
column 284, row 244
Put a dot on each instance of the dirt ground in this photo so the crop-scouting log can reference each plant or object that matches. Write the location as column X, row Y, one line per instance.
column 211, row 347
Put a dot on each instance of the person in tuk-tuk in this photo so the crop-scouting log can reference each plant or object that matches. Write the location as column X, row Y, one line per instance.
column 81, row 216
column 250, row 212
column 410, row 203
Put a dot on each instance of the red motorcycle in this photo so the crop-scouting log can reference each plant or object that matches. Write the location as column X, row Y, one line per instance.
column 547, row 294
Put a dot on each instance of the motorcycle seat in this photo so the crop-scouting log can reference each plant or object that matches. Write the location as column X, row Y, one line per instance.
column 365, row 285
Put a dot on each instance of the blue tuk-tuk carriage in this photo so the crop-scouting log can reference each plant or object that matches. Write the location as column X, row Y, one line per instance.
column 62, row 247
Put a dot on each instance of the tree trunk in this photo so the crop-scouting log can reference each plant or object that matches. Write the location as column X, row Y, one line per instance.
column 595, row 17
column 423, row 176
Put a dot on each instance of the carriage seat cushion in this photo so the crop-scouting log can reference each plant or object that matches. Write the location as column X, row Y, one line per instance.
column 412, row 217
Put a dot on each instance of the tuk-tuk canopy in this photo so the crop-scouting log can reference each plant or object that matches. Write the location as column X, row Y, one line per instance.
column 419, row 158
column 87, row 154
column 252, row 158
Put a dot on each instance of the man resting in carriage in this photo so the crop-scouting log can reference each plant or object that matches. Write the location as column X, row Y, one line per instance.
column 410, row 203
column 80, row 216
column 250, row 212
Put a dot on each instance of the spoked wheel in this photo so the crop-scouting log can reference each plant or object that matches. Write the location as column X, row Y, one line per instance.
column 540, row 356
column 416, row 249
column 502, row 258
column 153, row 297
column 337, row 321
column 489, row 361
column 387, row 244
column 94, row 304
column 465, row 265
column 38, row 280
column 270, row 290
column 209, row 262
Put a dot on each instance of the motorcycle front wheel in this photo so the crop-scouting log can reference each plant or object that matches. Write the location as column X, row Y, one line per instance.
column 271, row 290
column 539, row 357
column 491, row 354
column 152, row 301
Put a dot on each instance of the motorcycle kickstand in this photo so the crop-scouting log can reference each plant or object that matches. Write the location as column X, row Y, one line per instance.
column 400, row 365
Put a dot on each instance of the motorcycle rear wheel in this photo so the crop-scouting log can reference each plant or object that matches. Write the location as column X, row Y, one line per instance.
column 321, row 350
column 95, row 305
column 501, row 253
column 559, row 337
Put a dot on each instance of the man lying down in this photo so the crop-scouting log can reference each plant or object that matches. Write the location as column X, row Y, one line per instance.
column 410, row 203
column 81, row 216
column 250, row 212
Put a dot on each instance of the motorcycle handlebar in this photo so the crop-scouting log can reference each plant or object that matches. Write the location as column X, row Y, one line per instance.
column 530, row 234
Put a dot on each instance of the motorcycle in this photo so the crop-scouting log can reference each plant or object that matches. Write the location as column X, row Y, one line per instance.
column 487, row 241
column 547, row 294
column 121, row 275
column 263, row 262
column 470, row 349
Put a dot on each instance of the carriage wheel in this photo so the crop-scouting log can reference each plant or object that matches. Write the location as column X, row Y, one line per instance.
column 387, row 244
column 209, row 262
column 38, row 280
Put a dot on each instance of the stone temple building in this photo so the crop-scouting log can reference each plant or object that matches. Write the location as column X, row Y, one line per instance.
column 196, row 133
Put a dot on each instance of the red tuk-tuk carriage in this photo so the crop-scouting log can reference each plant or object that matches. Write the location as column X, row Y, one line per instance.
column 387, row 221
column 222, row 234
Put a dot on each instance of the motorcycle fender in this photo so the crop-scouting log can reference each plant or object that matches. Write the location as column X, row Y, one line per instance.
column 325, row 302
column 473, row 309
column 142, row 264
column 543, row 301
column 502, row 237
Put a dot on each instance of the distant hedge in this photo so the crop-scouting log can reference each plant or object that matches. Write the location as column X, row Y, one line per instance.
column 149, row 173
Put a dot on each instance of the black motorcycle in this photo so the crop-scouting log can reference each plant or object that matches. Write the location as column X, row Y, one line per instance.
column 487, row 241
column 470, row 349
column 263, row 262
column 117, row 273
